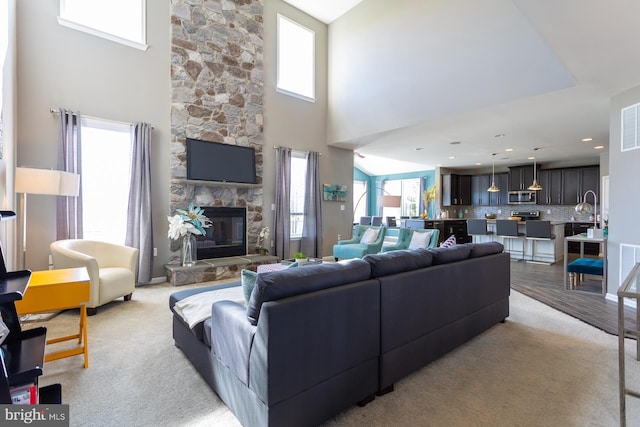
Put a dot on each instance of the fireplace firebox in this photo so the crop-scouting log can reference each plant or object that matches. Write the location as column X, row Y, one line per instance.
column 227, row 235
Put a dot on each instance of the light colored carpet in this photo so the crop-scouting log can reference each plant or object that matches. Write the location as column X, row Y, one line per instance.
column 540, row 368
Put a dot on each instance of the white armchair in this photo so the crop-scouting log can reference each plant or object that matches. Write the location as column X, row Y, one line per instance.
column 111, row 268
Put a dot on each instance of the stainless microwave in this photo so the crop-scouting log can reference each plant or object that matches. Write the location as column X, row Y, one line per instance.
column 523, row 197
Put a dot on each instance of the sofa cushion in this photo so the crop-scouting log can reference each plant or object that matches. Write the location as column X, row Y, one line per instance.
column 393, row 262
column 295, row 281
column 484, row 249
column 449, row 242
column 419, row 240
column 369, row 236
column 450, row 254
column 248, row 279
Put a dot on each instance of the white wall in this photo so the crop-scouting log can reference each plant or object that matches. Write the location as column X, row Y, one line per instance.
column 624, row 203
column 61, row 67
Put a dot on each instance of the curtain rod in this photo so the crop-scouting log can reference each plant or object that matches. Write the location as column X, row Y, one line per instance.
column 54, row 111
column 275, row 147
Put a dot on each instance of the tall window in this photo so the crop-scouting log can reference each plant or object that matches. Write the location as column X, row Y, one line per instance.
column 298, row 178
column 359, row 200
column 409, row 190
column 296, row 59
column 106, row 160
column 122, row 21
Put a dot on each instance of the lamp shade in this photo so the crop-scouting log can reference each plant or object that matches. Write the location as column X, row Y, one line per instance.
column 391, row 201
column 46, row 181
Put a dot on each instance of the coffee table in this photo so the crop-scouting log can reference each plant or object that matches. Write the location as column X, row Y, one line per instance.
column 54, row 290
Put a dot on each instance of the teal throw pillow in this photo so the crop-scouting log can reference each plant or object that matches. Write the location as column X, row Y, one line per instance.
column 248, row 279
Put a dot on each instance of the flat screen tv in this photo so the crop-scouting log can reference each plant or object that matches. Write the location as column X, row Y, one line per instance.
column 215, row 161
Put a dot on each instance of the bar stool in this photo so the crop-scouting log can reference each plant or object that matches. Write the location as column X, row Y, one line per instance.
column 508, row 229
column 365, row 220
column 477, row 227
column 538, row 230
column 376, row 221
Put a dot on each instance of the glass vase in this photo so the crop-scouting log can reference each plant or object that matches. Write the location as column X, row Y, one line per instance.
column 188, row 250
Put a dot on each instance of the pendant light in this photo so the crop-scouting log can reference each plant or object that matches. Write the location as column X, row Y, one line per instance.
column 535, row 186
column 494, row 188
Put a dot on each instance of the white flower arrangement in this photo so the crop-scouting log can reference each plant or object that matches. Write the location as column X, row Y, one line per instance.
column 263, row 237
column 192, row 221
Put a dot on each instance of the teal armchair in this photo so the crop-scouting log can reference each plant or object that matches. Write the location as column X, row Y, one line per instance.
column 352, row 248
column 405, row 235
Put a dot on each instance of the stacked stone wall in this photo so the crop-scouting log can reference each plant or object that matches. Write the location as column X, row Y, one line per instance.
column 217, row 95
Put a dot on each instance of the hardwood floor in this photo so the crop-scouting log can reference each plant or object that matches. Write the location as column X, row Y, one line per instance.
column 545, row 284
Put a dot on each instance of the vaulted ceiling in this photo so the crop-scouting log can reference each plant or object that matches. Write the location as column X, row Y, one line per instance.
column 538, row 73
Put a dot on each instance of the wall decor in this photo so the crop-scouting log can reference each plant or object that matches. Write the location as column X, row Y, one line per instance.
column 334, row 192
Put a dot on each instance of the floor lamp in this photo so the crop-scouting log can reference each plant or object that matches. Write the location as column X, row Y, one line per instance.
column 44, row 182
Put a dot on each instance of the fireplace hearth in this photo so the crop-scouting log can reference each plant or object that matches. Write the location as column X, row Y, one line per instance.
column 227, row 235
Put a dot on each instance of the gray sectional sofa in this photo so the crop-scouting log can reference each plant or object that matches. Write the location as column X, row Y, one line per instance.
column 318, row 339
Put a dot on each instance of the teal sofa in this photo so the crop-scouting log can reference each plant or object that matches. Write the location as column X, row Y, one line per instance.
column 352, row 248
column 405, row 235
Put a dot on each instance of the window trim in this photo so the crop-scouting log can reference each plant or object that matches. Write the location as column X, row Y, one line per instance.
column 313, row 98
column 108, row 36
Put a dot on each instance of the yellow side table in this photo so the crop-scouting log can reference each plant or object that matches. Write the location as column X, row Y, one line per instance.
column 54, row 290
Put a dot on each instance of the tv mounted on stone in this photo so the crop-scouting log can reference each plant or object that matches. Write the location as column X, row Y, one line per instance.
column 215, row 161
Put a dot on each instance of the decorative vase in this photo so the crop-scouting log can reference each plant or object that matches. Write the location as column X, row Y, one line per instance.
column 188, row 250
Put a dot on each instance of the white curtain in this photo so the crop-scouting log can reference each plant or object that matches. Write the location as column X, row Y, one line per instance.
column 69, row 209
column 311, row 243
column 139, row 224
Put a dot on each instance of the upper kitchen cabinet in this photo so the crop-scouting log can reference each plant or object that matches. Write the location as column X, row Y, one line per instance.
column 456, row 189
column 479, row 193
column 502, row 196
column 551, row 182
column 576, row 181
column 520, row 177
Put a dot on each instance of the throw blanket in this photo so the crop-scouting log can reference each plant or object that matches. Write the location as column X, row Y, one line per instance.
column 197, row 308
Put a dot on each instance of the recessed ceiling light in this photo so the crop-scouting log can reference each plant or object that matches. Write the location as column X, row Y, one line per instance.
column 598, row 147
column 452, row 157
column 419, row 148
column 508, row 149
column 439, row 164
column 530, row 158
column 454, row 142
column 478, row 163
column 500, row 135
column 587, row 139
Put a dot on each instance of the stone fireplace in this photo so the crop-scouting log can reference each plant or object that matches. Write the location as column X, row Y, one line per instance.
column 217, row 95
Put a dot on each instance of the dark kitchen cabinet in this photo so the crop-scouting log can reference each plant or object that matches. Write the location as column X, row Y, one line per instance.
column 551, row 182
column 502, row 196
column 456, row 190
column 479, row 193
column 520, row 177
column 576, row 181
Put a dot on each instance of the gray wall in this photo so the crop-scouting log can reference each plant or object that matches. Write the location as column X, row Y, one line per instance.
column 60, row 67
column 624, row 203
column 302, row 125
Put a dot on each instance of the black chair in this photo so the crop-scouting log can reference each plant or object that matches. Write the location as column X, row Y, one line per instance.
column 538, row 230
column 365, row 220
column 391, row 221
column 376, row 221
column 477, row 227
column 508, row 229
